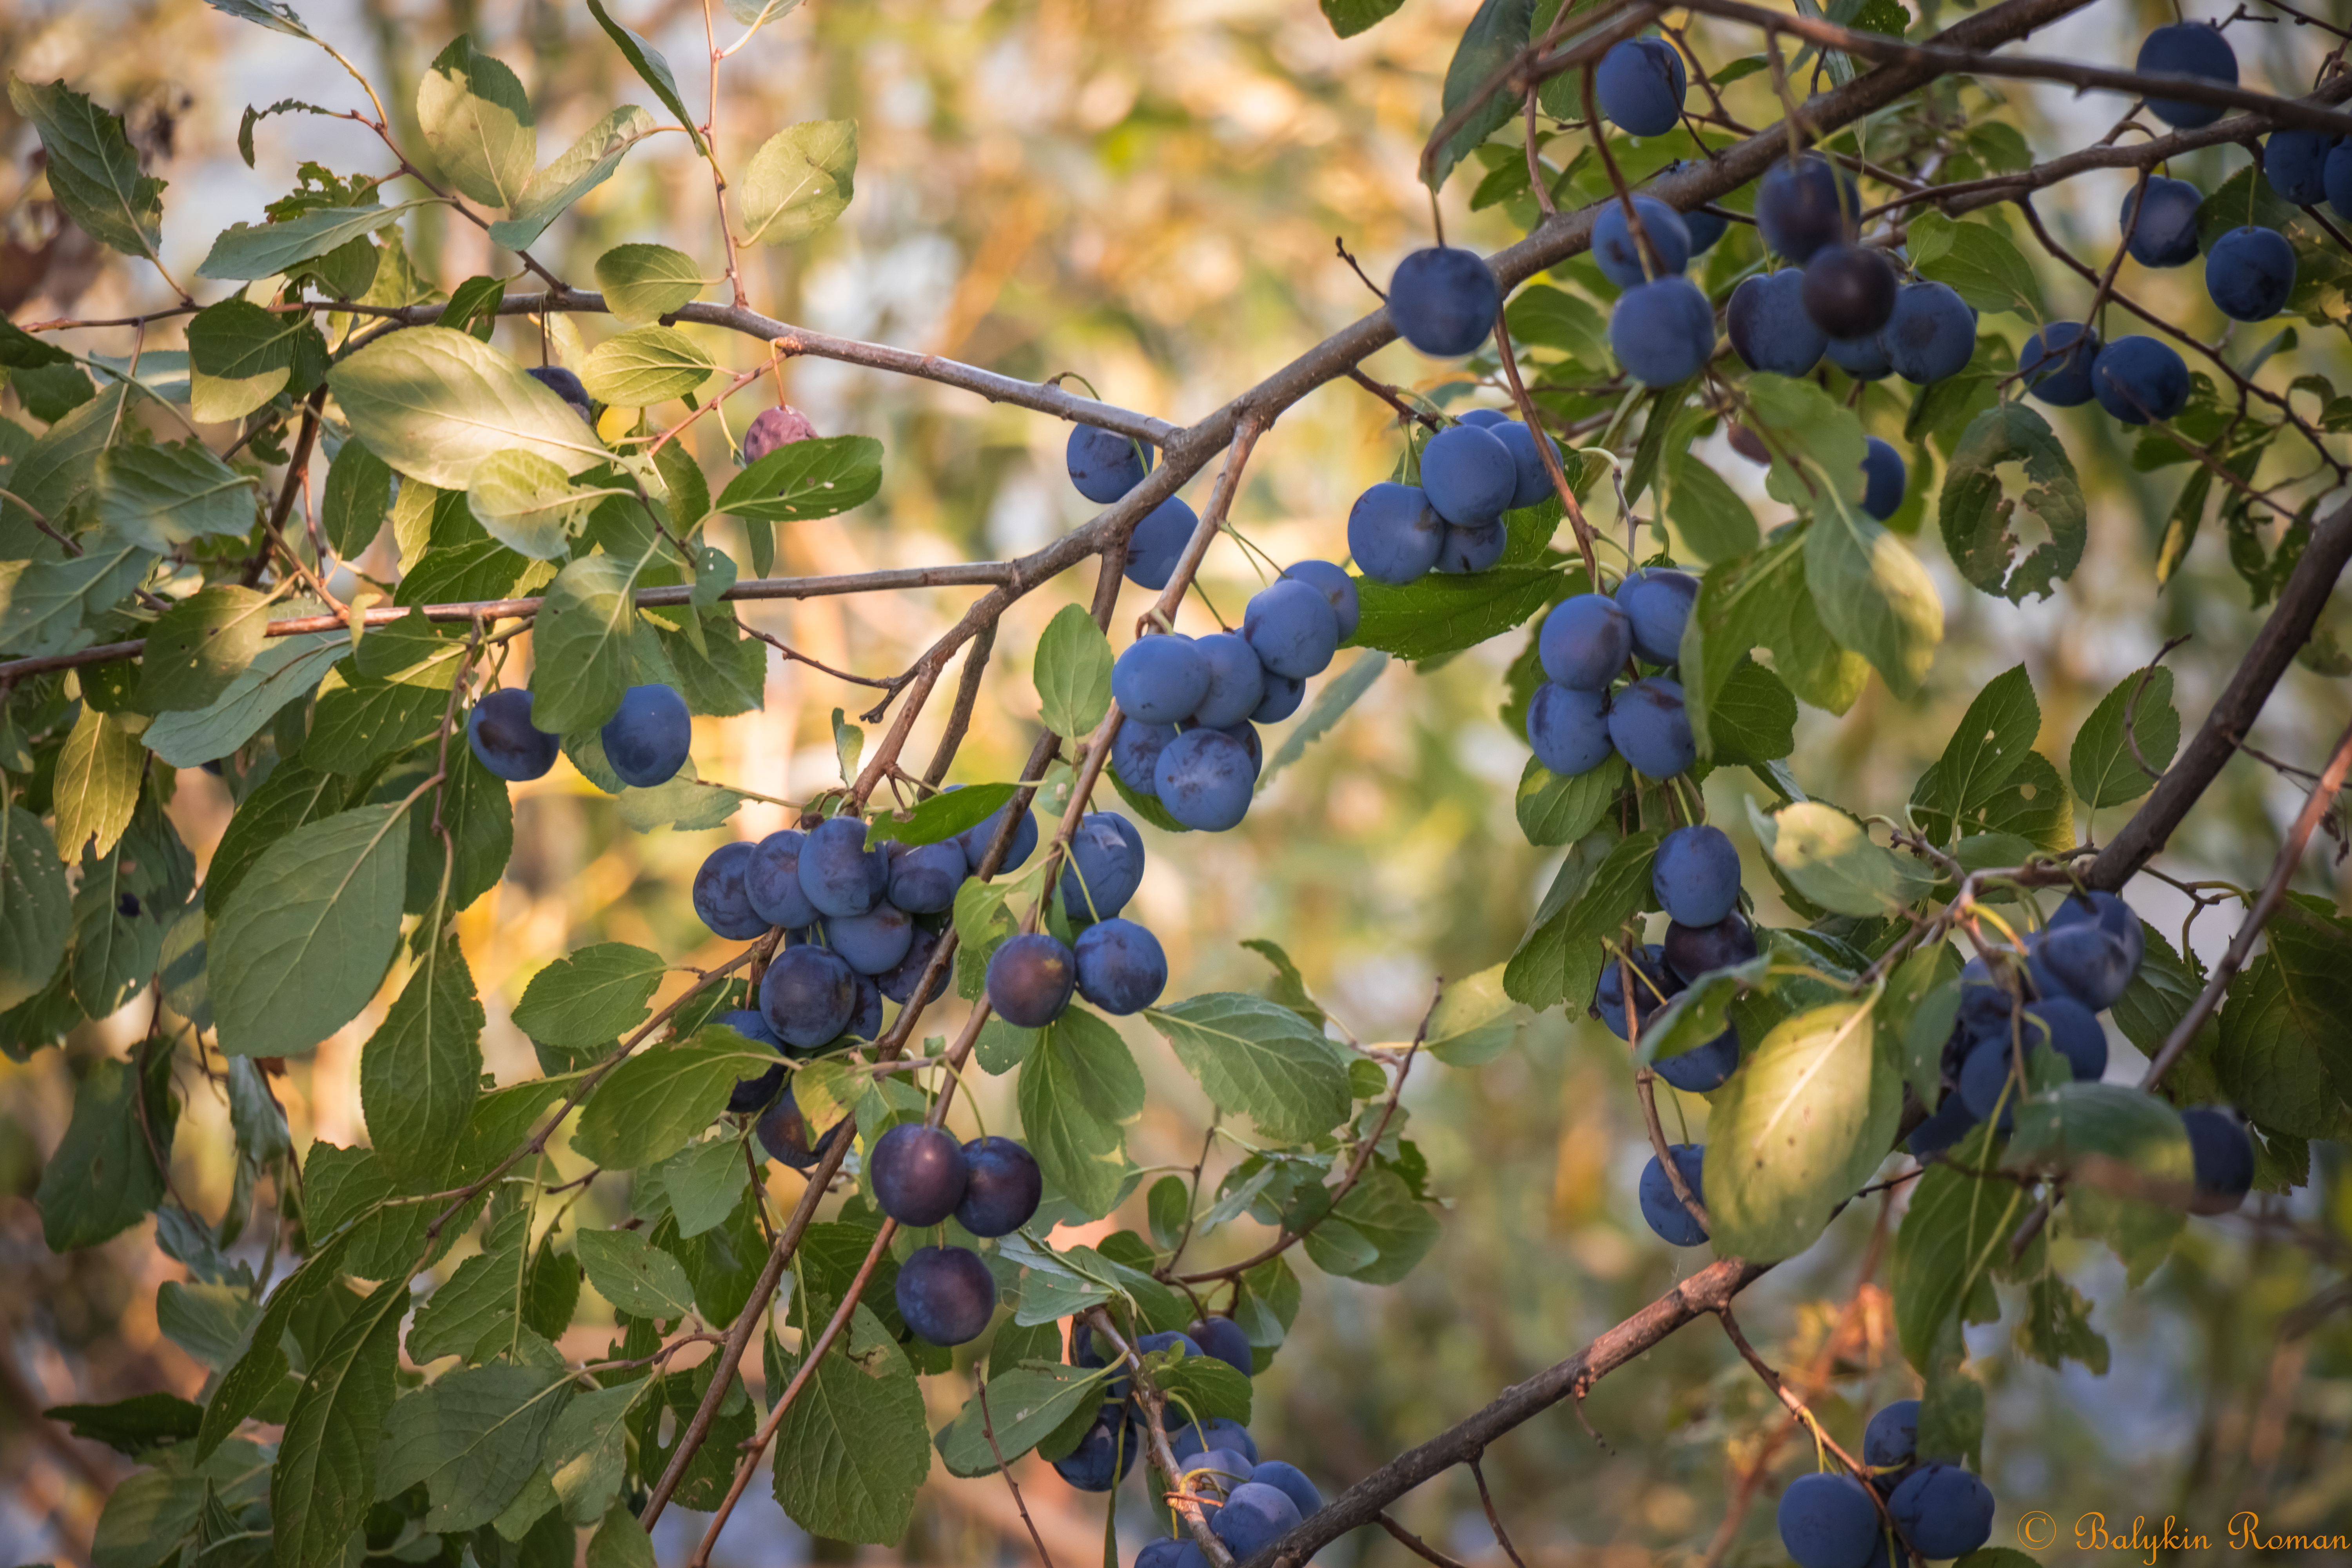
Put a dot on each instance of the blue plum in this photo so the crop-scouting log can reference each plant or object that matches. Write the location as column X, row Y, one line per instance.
column 2074, row 1033
column 1702, row 1068
column 1849, row 290
column 719, row 901
column 2056, row 363
column 1283, row 695
column 1803, row 203
column 1292, row 1482
column 2137, row 379
column 840, row 875
column 1932, row 334
column 808, row 996
column 1292, row 628
column 1828, row 1521
column 1121, row 969
column 1030, row 978
column 1620, row 256
column 1338, row 591
column 1002, row 1186
column 646, row 739
column 1658, row 603
column 1769, row 326
column 2165, row 235
column 977, row 838
column 924, row 877
column 946, row 1294
column 1663, row 332
column 771, row 881
column 1484, row 418
column 783, row 1132
column 2336, row 178
column 1236, row 681
column 1865, row 359
column 1676, row 1226
column 918, row 1173
column 1473, row 549
column 751, row 1094
column 900, row 983
column 2222, row 1157
column 504, row 738
column 1135, row 753
column 1696, row 874
column 567, row 386
column 1989, row 1078
column 875, row 943
column 1468, row 474
column 2250, row 272
column 1654, row 985
column 1104, row 464
column 1940, row 1131
column 1443, row 300
column 1204, row 778
column 2185, row 48
column 1104, row 868
column 1255, row 1517
column 1891, row 1437
column 1224, row 1339
column 1944, row 1510
column 2110, row 914
column 1158, row 543
column 2296, row 164
column 1648, row 726
column 1694, row 951
column 1640, row 84
column 1394, row 533
column 1189, row 1438
column 1104, row 1456
column 1533, row 481
column 1882, row 479
column 1160, row 680
column 2085, row 962
column 1585, row 642
column 1568, row 730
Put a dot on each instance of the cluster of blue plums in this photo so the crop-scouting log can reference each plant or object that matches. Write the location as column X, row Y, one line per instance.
column 1190, row 707
column 645, row 740
column 1580, row 715
column 1472, row 472
column 991, row 1185
column 1250, row 1502
column 1113, row 963
column 1829, row 1519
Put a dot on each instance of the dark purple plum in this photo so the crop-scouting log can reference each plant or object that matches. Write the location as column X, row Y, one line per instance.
column 1805, row 204
column 946, row 1294
column 567, row 386
column 774, row 427
column 771, row 881
column 1236, row 681
column 1649, row 727
column 2296, row 164
column 2074, row 1033
column 1882, row 479
column 1654, row 986
column 751, row 1094
column 1135, row 753
column 1849, row 291
column 1104, row 868
column 1473, row 549
column 1255, row 1517
column 1160, row 680
column 1224, row 1339
column 1769, row 326
column 1204, row 778
column 1468, row 474
column 647, row 737
column 1697, row 873
column 1658, row 603
column 1702, row 1068
column 1292, row 1482
column 1865, row 359
column 2250, row 272
column 808, row 995
column 1585, row 642
column 1944, row 1510
column 1568, row 730
column 840, row 875
column 1121, row 969
column 1663, row 332
column 2137, row 379
column 1394, row 533
column 1932, row 334
column 1158, row 543
column 1443, row 300
column 924, row 877
column 900, row 983
column 1104, row 464
column 783, row 1132
column 1292, row 628
column 1105, row 1455
column 720, row 899
column 1694, row 951
column 1002, row 1186
column 2223, row 1156
column 1640, row 84
column 1030, row 978
column 2165, row 233
column 2110, row 914
column 1828, row 1520
column 2184, row 49
column 874, row 942
column 1619, row 256
column 504, row 738
column 918, row 1173
column 1534, row 479
column 1662, row 1209
column 2085, row 962
column 2056, row 363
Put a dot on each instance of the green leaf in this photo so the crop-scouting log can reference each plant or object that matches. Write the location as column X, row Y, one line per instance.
column 700, row 1185
column 1551, row 317
column 2101, row 762
column 93, row 169
column 528, row 503
column 1475, row 1020
column 2284, row 1059
column 324, row 1480
column 246, row 251
column 642, row 282
column 810, row 479
column 1978, row 517
column 1713, row 520
column 1556, row 810
column 200, row 644
column 943, row 816
column 357, row 496
column 33, row 906
column 434, row 402
column 1331, row 703
column 148, row 1518
column 1872, row 593
column 1383, row 1211
column 359, row 723
column 587, row 1450
column 1604, row 883
column 655, row 1102
column 585, row 165
column 479, row 123
column 1260, row 1059
column 102, row 1180
column 1981, row 265
column 583, row 659
column 2109, row 1136
column 294, row 794
column 799, row 182
column 1988, row 747
column 1348, row 17
column 1026, row 1406
column 97, row 783
column 1956, row 1224
column 304, row 949
column 649, row 365
column 1754, row 721
column 1077, row 1085
column 1807, row 1108
column 132, row 1426
column 1494, row 34
column 44, row 602
column 620, row 1542
column 240, row 357
column 49, row 476
column 1817, row 444
column 1073, row 673
column 855, row 1448
column 421, row 1069
column 1741, row 604
column 1445, row 613
column 472, row 1439
column 1829, row 858
column 261, row 1365
column 126, row 900
column 632, row 1273
column 159, row 496
column 652, row 69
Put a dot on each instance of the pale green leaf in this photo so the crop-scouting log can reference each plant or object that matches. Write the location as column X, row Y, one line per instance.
column 649, row 365
column 634, row 1275
column 1804, row 1109
column 1073, row 673
column 1260, row 1059
column 200, row 645
column 479, row 123
column 585, row 165
column 644, row 282
column 2107, row 766
column 652, row 1103
column 799, row 182
column 1829, row 857
column 159, row 496
column 245, row 251
column 97, row 783
column 93, row 169
column 33, row 906
column 434, row 401
column 855, row 1448
column 1872, row 593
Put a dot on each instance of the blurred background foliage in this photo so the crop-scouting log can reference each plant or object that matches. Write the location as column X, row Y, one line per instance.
column 1146, row 192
